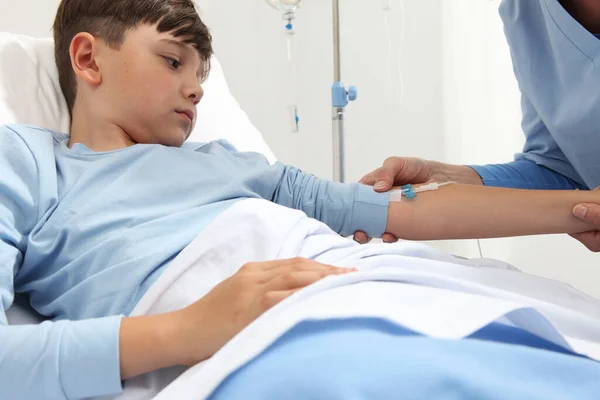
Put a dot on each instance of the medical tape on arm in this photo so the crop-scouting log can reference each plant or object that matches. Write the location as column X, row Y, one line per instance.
column 410, row 192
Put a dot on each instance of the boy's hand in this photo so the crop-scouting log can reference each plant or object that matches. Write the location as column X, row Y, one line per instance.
column 212, row 321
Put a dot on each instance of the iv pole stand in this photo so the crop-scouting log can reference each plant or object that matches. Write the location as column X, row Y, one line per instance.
column 340, row 98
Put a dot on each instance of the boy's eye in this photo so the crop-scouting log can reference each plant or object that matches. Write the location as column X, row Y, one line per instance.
column 173, row 62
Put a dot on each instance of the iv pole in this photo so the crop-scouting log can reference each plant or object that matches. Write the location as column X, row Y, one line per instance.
column 340, row 98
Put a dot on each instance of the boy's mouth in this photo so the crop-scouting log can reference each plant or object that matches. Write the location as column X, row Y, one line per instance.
column 189, row 114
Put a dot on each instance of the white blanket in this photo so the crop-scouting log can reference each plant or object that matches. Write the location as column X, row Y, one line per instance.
column 411, row 284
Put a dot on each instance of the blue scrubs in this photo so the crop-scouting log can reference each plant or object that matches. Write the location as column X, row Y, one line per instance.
column 557, row 65
column 525, row 174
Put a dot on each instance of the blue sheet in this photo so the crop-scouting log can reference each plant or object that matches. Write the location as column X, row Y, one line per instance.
column 363, row 358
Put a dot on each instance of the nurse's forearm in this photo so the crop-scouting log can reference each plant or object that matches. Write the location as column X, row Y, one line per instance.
column 467, row 212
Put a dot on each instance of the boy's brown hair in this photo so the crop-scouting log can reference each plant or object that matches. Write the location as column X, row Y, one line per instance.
column 111, row 19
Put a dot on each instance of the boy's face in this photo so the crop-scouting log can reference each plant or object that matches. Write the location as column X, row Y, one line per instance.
column 151, row 86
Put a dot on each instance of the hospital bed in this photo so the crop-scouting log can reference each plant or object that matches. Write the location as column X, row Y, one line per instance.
column 30, row 94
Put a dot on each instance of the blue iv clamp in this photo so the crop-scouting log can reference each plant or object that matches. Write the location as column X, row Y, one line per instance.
column 408, row 191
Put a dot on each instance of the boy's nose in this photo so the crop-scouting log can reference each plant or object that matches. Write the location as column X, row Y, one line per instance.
column 195, row 93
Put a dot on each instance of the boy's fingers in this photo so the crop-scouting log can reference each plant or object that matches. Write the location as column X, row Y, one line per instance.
column 303, row 266
column 389, row 238
column 298, row 280
column 276, row 264
column 361, row 237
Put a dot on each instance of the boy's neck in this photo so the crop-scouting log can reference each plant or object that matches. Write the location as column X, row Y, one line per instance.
column 97, row 134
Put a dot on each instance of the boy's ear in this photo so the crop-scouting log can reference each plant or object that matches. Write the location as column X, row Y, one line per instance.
column 84, row 51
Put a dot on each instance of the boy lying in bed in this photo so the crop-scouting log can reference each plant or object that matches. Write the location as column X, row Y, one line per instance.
column 89, row 222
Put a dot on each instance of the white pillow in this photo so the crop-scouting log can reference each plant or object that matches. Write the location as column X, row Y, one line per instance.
column 30, row 94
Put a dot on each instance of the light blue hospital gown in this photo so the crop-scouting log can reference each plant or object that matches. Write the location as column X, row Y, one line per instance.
column 557, row 65
column 556, row 62
column 85, row 234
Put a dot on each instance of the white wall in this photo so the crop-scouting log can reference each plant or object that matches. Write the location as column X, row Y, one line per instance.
column 482, row 112
column 28, row 17
column 249, row 40
column 380, row 125
column 250, row 43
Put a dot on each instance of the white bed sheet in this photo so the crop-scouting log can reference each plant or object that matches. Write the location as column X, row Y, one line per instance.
column 457, row 297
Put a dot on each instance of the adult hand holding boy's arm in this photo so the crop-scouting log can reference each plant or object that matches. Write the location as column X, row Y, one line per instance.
column 589, row 213
column 195, row 333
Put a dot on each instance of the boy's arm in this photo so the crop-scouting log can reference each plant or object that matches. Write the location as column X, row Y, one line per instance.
column 345, row 208
column 49, row 360
column 59, row 360
column 195, row 333
column 468, row 212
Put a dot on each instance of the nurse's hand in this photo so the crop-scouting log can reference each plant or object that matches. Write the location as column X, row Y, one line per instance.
column 589, row 213
column 399, row 171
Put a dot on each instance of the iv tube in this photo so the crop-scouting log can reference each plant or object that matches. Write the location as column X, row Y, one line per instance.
column 290, row 34
column 289, row 7
column 388, row 7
